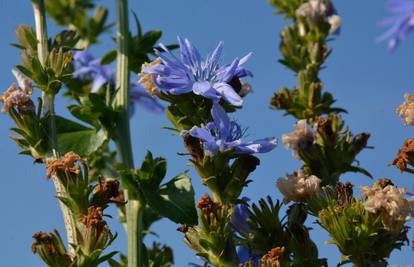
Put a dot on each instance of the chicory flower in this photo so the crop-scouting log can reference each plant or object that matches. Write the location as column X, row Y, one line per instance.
column 191, row 73
column 90, row 69
column 400, row 23
column 222, row 135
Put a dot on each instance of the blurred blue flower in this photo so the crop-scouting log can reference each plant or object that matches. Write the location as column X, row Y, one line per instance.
column 88, row 68
column 246, row 255
column 141, row 97
column 240, row 216
column 222, row 135
column 191, row 73
column 400, row 23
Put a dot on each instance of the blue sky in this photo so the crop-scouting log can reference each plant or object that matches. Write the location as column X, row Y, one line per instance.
column 366, row 79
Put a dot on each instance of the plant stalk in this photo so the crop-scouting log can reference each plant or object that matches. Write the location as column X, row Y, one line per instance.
column 48, row 109
column 134, row 207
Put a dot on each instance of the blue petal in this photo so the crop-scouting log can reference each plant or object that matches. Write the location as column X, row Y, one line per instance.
column 221, row 120
column 205, row 89
column 98, row 82
column 257, row 146
column 201, row 133
column 230, row 71
column 228, row 94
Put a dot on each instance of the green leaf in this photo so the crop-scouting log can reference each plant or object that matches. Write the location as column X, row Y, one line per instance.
column 153, row 171
column 109, row 57
column 73, row 136
column 175, row 200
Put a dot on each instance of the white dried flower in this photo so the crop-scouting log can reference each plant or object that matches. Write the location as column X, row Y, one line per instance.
column 298, row 186
column 301, row 138
column 146, row 79
column 406, row 109
column 335, row 22
column 388, row 202
column 18, row 95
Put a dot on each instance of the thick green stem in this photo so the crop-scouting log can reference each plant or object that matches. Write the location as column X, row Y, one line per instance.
column 134, row 207
column 48, row 109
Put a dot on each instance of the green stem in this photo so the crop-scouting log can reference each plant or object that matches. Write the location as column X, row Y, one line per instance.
column 48, row 109
column 134, row 207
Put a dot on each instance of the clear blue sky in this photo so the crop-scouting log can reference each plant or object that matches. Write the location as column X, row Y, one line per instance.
column 365, row 78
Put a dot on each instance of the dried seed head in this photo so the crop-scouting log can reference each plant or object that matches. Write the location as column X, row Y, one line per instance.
column 66, row 163
column 300, row 139
column 404, row 155
column 389, row 202
column 207, row 205
column 406, row 109
column 274, row 257
column 94, row 219
column 298, row 187
column 147, row 79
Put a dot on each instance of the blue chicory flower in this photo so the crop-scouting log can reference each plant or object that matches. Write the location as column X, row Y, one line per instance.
column 90, row 69
column 400, row 23
column 240, row 216
column 190, row 73
column 222, row 135
column 246, row 255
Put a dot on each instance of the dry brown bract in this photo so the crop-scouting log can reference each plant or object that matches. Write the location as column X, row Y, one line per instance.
column 274, row 257
column 406, row 109
column 302, row 137
column 387, row 201
column 66, row 163
column 147, row 80
column 298, row 186
column 403, row 155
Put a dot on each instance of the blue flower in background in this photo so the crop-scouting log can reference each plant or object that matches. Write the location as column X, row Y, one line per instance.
column 191, row 73
column 222, row 135
column 400, row 23
column 139, row 95
column 240, row 216
column 239, row 220
column 90, row 69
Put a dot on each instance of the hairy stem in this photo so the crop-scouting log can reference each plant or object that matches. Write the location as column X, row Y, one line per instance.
column 48, row 109
column 134, row 207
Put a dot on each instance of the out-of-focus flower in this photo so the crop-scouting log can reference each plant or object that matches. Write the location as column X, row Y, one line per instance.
column 18, row 95
column 191, row 73
column 405, row 156
column 246, row 255
column 389, row 202
column 222, row 135
column 314, row 9
column 298, row 186
column 90, row 68
column 141, row 97
column 240, row 217
column 301, row 138
column 400, row 22
column 274, row 257
column 406, row 109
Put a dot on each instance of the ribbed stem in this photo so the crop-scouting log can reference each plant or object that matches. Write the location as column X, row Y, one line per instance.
column 134, row 207
column 48, row 109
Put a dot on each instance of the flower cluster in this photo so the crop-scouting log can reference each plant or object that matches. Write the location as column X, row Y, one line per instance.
column 388, row 201
column 301, row 138
column 18, row 95
column 298, row 186
column 191, row 73
column 65, row 164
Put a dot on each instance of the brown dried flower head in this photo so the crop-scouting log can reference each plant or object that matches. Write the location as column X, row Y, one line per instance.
column 406, row 109
column 344, row 193
column 404, row 155
column 194, row 147
column 18, row 95
column 301, row 138
column 389, row 202
column 147, row 79
column 67, row 163
column 106, row 192
column 94, row 219
column 274, row 257
column 298, row 186
column 207, row 205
